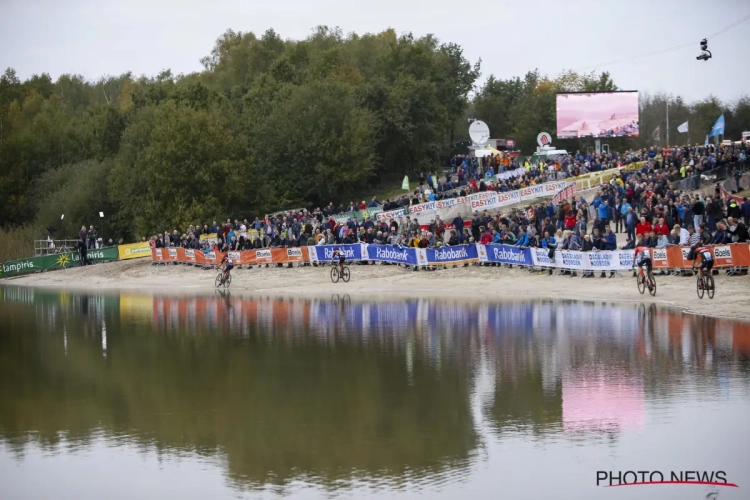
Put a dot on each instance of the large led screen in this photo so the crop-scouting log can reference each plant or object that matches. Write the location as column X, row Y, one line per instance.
column 598, row 114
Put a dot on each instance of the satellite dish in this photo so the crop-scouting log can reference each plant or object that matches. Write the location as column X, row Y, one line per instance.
column 544, row 139
column 479, row 132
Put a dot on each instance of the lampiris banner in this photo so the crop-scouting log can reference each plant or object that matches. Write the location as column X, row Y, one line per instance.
column 56, row 261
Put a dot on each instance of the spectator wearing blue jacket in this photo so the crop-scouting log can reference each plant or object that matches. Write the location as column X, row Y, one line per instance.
column 610, row 239
column 604, row 212
column 524, row 240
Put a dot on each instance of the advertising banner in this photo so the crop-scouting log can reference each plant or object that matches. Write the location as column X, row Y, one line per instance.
column 484, row 200
column 672, row 257
column 56, row 261
column 324, row 253
column 449, row 256
column 505, row 254
column 133, row 251
column 359, row 215
column 396, row 255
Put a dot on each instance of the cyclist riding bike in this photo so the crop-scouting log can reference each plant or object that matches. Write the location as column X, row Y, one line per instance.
column 642, row 258
column 707, row 260
column 228, row 266
column 338, row 255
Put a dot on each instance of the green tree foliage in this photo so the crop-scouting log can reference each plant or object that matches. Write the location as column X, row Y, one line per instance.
column 269, row 123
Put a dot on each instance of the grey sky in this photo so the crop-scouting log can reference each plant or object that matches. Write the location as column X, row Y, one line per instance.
column 99, row 37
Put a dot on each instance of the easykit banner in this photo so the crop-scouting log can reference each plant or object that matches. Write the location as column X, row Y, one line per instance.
column 133, row 251
column 448, row 256
column 485, row 200
column 390, row 215
column 396, row 255
column 54, row 262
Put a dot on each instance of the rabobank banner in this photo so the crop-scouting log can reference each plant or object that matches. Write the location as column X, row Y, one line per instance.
column 396, row 255
column 324, row 253
column 505, row 254
column 452, row 255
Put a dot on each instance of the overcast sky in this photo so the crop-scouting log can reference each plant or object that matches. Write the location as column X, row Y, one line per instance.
column 100, row 37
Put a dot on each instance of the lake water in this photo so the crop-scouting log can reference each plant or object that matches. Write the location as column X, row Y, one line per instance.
column 137, row 396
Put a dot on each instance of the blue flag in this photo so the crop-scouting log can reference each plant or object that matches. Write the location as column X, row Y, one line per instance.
column 718, row 128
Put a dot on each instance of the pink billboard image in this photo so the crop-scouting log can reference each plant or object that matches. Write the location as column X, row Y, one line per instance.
column 600, row 114
column 599, row 401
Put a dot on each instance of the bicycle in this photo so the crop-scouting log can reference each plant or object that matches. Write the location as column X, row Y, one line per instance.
column 344, row 273
column 223, row 279
column 643, row 281
column 705, row 284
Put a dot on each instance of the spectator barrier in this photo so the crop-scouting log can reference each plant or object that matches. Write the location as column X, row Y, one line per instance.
column 673, row 257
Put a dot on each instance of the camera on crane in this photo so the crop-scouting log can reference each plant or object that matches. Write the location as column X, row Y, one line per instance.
column 706, row 55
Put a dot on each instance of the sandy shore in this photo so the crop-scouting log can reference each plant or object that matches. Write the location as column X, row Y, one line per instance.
column 382, row 282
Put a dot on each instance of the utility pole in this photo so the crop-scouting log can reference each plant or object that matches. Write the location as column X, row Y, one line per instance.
column 667, row 122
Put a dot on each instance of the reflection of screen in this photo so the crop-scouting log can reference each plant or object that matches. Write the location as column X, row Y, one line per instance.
column 599, row 114
column 598, row 401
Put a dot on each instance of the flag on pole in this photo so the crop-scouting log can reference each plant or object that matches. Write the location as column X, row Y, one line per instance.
column 657, row 134
column 683, row 128
column 718, row 128
column 706, row 143
column 405, row 183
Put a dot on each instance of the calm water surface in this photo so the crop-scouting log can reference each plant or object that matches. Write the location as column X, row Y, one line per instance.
column 136, row 396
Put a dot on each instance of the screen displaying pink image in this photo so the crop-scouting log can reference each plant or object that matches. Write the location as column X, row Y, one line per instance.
column 599, row 114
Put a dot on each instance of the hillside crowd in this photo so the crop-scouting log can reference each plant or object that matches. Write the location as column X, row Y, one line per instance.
column 642, row 203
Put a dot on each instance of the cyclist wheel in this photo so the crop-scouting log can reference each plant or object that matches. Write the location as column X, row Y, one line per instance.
column 710, row 286
column 639, row 281
column 218, row 280
column 334, row 274
column 227, row 281
column 651, row 286
column 345, row 275
column 700, row 286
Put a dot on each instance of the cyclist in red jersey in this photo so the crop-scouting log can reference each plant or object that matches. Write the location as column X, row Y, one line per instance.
column 642, row 258
column 707, row 259
column 227, row 264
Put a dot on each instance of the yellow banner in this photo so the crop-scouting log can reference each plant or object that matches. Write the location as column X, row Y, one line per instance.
column 251, row 233
column 134, row 251
column 132, row 306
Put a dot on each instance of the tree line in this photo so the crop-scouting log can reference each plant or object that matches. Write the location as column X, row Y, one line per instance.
column 267, row 124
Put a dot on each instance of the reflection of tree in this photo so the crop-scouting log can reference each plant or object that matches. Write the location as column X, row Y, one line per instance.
column 523, row 399
column 523, row 403
column 275, row 406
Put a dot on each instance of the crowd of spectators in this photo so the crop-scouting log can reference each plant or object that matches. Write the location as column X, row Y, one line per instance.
column 643, row 204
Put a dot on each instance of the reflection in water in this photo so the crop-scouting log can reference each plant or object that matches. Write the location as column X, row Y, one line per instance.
column 340, row 392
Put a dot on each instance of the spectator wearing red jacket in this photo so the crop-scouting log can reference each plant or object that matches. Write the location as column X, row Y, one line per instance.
column 643, row 227
column 570, row 220
column 661, row 228
column 486, row 237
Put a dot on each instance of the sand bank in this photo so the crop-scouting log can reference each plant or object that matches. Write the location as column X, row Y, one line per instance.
column 382, row 282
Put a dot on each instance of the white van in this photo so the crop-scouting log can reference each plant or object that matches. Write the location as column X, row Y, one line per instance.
column 551, row 154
